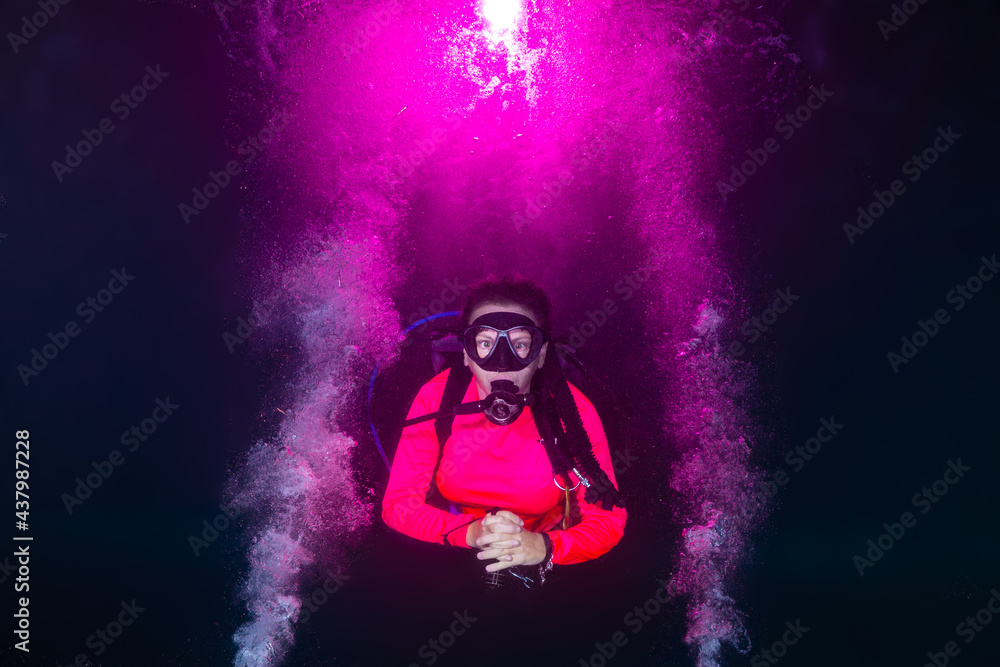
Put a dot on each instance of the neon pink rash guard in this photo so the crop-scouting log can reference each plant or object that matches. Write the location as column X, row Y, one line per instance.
column 485, row 466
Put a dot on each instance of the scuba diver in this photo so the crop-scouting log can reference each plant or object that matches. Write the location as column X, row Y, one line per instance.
column 505, row 440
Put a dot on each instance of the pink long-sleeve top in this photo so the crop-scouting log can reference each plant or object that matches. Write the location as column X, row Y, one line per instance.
column 485, row 466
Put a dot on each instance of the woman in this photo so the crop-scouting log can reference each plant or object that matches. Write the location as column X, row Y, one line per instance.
column 519, row 496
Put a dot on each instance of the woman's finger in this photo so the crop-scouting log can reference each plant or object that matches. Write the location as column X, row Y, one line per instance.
column 501, row 527
column 510, row 516
column 496, row 566
column 494, row 520
column 493, row 554
column 494, row 538
column 501, row 544
column 495, row 551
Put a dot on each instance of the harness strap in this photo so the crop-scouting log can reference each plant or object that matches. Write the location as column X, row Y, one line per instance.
column 458, row 381
column 550, row 430
column 455, row 387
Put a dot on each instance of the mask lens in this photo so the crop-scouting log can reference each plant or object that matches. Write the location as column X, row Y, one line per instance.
column 522, row 341
column 480, row 341
column 518, row 343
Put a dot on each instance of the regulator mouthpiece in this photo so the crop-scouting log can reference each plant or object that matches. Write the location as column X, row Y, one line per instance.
column 503, row 405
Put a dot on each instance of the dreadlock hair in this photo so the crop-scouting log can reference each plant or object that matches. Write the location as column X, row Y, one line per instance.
column 557, row 416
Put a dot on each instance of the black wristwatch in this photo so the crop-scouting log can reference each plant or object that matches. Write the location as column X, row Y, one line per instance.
column 545, row 565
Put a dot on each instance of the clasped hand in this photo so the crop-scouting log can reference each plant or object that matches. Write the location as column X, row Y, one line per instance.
column 501, row 536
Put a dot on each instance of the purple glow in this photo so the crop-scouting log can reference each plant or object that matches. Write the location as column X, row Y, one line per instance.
column 502, row 15
column 416, row 133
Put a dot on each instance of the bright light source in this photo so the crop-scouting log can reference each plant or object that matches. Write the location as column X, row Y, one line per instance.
column 501, row 14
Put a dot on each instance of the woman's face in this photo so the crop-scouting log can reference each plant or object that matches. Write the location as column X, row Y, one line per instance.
column 521, row 378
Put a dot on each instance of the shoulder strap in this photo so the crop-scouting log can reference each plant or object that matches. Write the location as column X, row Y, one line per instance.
column 454, row 390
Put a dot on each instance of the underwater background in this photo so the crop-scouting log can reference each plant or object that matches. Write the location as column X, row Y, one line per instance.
column 769, row 230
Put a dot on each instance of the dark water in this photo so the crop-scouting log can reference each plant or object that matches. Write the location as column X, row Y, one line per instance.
column 310, row 218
